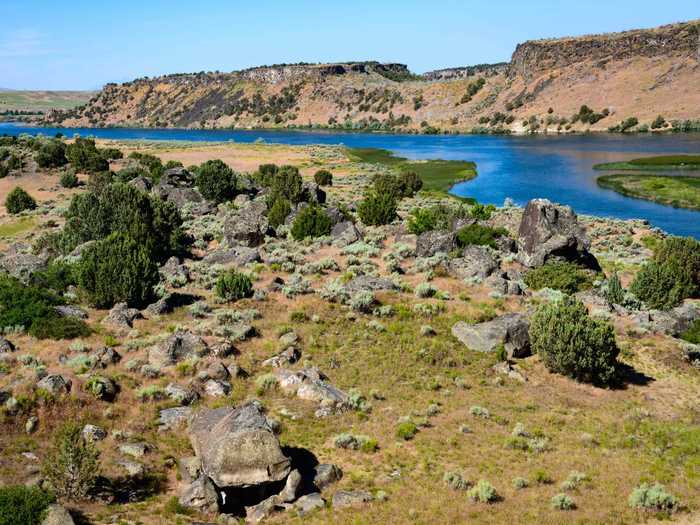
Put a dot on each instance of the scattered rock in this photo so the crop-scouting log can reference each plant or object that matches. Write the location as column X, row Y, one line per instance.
column 136, row 450
column 57, row 515
column 67, row 310
column 291, row 486
column 237, row 447
column 121, row 316
column 216, row 388
column 181, row 345
column 23, row 265
column 363, row 283
column 351, row 498
column 6, row 346
column 55, row 384
column 309, row 503
column 170, row 418
column 132, row 468
column 345, row 233
column 201, row 494
column 326, row 474
column 249, row 226
column 510, row 330
column 512, row 371
column 477, row 261
column 431, row 242
column 182, row 395
column 238, row 255
column 311, row 385
column 94, row 433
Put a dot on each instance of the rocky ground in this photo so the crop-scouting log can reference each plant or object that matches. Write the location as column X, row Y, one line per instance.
column 363, row 382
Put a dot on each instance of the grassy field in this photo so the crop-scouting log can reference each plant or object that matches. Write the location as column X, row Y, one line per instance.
column 664, row 162
column 679, row 192
column 36, row 101
column 437, row 175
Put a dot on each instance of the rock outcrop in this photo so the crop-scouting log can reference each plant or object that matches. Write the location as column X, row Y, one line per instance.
column 509, row 330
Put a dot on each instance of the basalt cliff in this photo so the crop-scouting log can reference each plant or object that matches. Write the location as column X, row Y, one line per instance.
column 624, row 80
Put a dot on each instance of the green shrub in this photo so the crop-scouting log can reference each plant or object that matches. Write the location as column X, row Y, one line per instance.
column 405, row 184
column 216, row 181
column 692, row 334
column 18, row 201
column 85, row 157
column 69, row 179
column 652, row 497
column 483, row 492
column 285, row 182
column 118, row 269
column 323, row 178
column 151, row 163
column 482, row 212
column 233, row 285
column 615, row 293
column 72, row 465
column 671, row 276
column 312, row 222
column 570, row 342
column 20, row 505
column 377, row 209
column 564, row 276
column 51, row 154
column 279, row 211
column 410, row 183
column 479, row 235
column 562, row 502
column 406, row 430
column 122, row 208
column 56, row 327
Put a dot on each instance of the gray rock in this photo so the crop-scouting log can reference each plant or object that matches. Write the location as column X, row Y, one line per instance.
column 142, row 183
column 121, row 316
column 184, row 396
column 287, row 357
column 326, row 474
column 510, row 330
column 509, row 370
column 291, row 486
column 249, row 226
column 55, row 384
column 177, row 186
column 132, row 468
column 369, row 283
column 345, row 233
column 23, row 265
column 57, row 515
column 201, row 495
column 314, row 193
column 237, row 447
column 103, row 388
column 432, row 242
column 309, row 503
column 181, row 345
column 550, row 231
column 136, row 450
column 31, row 424
column 174, row 270
column 94, row 433
column 674, row 321
column 70, row 311
column 477, row 261
column 351, row 498
column 190, row 468
column 6, row 346
column 216, row 388
column 238, row 255
column 335, row 214
column 104, row 357
column 170, row 418
column 264, row 509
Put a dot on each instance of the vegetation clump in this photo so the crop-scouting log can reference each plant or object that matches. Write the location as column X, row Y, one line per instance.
column 69, row 179
column 20, row 505
column 279, row 211
column 85, row 157
column 233, row 285
column 323, row 178
column 652, row 497
column 572, row 343
column 18, row 201
column 483, row 492
column 564, row 276
column 671, row 276
column 476, row 234
column 377, row 209
column 312, row 222
column 216, row 181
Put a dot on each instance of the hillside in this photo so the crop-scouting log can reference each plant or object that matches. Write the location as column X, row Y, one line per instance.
column 637, row 74
column 14, row 102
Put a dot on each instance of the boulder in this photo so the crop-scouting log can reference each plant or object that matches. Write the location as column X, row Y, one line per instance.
column 510, row 330
column 179, row 346
column 431, row 242
column 326, row 474
column 55, row 384
column 237, row 447
column 549, row 232
column 142, row 183
column 103, row 388
column 6, row 346
column 170, row 418
column 174, row 271
column 23, row 265
column 121, row 316
column 345, row 233
column 351, row 498
column 67, row 310
column 94, row 433
column 57, row 515
column 238, row 255
column 201, row 494
column 133, row 468
column 249, row 226
column 476, row 261
column 674, row 321
column 179, row 394
column 261, row 511
column 177, row 186
column 363, row 283
column 311, row 385
column 314, row 193
column 309, row 503
column 104, row 357
column 291, row 486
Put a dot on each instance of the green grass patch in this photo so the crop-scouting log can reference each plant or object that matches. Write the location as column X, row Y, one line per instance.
column 677, row 191
column 16, row 227
column 42, row 100
column 437, row 175
column 663, row 162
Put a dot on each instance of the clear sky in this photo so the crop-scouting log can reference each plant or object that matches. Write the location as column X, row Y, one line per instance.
column 77, row 44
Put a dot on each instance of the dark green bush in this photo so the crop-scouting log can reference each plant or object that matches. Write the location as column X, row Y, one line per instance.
column 85, row 157
column 56, row 327
column 279, row 211
column 69, row 179
column 111, row 153
column 410, row 183
column 130, row 173
column 615, row 293
column 438, row 217
column 287, row 183
column 311, row 221
column 51, row 154
column 671, row 276
column 482, row 212
column 377, row 209
column 233, row 285
column 18, row 201
column 479, row 235
column 98, row 181
column 692, row 334
column 399, row 186
column 118, row 269
column 123, row 208
column 564, row 276
column 72, row 464
column 216, row 181
column 265, row 174
column 323, row 178
column 572, row 343
column 151, row 163
column 20, row 505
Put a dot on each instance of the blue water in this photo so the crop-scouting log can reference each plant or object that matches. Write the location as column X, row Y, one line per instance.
column 558, row 167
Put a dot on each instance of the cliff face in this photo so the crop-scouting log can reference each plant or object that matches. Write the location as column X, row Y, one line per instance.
column 640, row 73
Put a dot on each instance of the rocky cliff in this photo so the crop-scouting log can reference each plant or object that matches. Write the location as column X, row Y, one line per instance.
column 639, row 74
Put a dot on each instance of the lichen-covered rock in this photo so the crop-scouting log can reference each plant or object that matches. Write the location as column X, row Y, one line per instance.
column 237, row 447
column 509, row 330
column 432, row 242
column 326, row 474
column 345, row 233
column 170, row 418
column 6, row 346
column 351, row 498
column 309, row 503
column 551, row 231
column 238, row 255
column 57, row 515
column 67, row 310
column 23, row 265
column 364, row 283
column 179, row 346
column 121, row 316
column 201, row 494
column 55, row 384
column 248, row 227
column 311, row 385
column 476, row 261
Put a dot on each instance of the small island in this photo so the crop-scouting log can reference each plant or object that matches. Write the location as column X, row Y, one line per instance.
column 663, row 162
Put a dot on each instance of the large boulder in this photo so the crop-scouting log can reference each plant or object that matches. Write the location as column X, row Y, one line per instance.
column 201, row 494
column 365, row 283
column 121, row 316
column 476, row 261
column 55, row 384
column 177, row 186
column 22, row 265
column 57, row 515
column 249, row 226
column 238, row 255
column 237, row 447
column 345, row 233
column 179, row 346
column 509, row 330
column 551, row 231
column 436, row 241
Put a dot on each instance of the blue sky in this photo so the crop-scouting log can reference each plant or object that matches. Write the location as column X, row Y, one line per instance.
column 84, row 44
